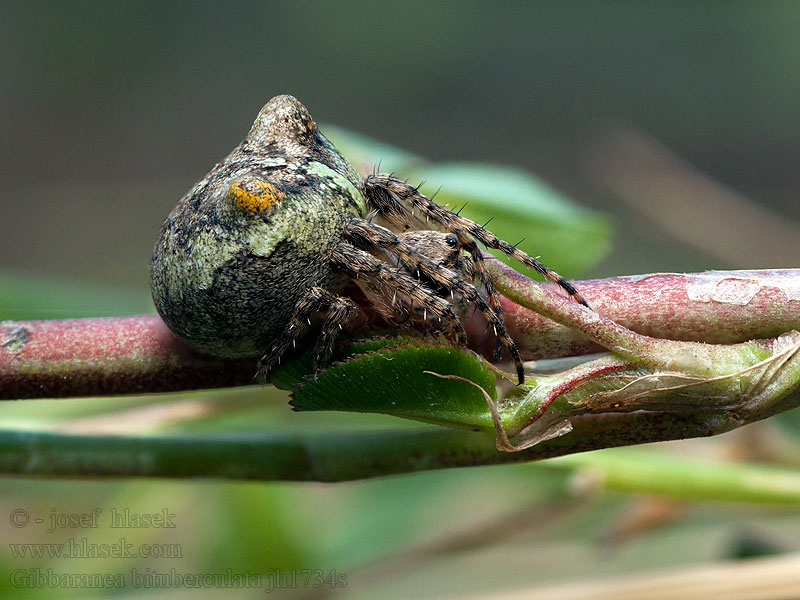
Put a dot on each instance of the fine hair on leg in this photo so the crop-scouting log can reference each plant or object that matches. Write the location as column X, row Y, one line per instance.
column 389, row 194
column 364, row 268
column 368, row 235
column 316, row 300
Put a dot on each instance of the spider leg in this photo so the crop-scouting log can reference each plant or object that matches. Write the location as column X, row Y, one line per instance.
column 400, row 217
column 388, row 192
column 368, row 235
column 479, row 266
column 361, row 265
column 387, row 304
column 339, row 311
column 436, row 245
column 477, row 259
column 390, row 209
column 446, row 251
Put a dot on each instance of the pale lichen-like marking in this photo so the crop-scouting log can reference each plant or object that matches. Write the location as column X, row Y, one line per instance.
column 254, row 196
column 219, row 245
column 341, row 182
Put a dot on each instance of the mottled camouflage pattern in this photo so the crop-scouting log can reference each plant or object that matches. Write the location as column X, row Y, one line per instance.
column 226, row 280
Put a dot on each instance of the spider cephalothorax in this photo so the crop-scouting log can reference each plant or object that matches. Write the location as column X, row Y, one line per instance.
column 271, row 237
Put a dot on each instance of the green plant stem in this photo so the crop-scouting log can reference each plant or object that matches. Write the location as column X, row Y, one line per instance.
column 320, row 457
column 683, row 477
column 338, row 457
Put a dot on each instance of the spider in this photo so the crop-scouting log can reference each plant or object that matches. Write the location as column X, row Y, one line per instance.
column 264, row 247
column 399, row 310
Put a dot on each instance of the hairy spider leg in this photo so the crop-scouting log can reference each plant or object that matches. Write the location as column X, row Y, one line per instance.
column 364, row 267
column 363, row 234
column 468, row 267
column 439, row 246
column 339, row 310
column 399, row 216
column 342, row 310
column 443, row 248
column 405, row 192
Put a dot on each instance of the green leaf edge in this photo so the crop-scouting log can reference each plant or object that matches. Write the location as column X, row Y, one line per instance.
column 345, row 385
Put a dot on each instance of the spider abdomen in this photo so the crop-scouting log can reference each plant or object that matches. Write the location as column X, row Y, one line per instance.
column 249, row 241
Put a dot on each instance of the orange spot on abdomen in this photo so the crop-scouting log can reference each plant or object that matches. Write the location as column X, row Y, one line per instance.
column 254, row 196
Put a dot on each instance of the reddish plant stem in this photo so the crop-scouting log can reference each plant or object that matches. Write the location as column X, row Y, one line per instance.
column 695, row 307
column 136, row 355
column 105, row 356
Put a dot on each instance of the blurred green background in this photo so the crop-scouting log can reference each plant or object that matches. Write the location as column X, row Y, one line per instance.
column 678, row 120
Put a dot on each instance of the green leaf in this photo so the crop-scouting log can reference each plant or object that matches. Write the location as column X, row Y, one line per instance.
column 393, row 381
column 366, row 153
column 292, row 372
column 569, row 238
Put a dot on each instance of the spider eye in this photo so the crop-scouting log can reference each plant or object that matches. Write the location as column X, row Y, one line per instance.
column 451, row 240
